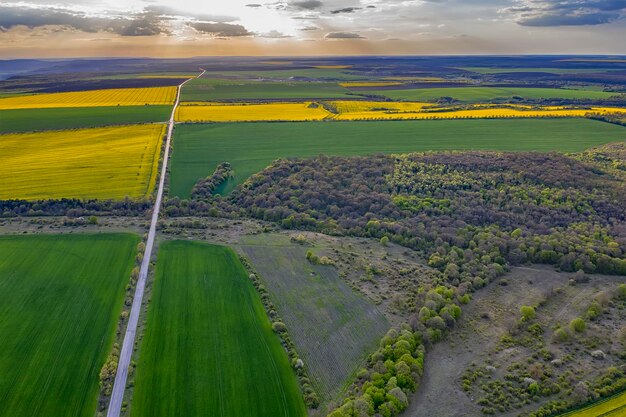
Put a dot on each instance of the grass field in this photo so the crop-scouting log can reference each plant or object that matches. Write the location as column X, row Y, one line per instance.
column 325, row 73
column 105, row 163
column 209, row 349
column 29, row 120
column 204, row 89
column 198, row 149
column 333, row 327
column 60, row 298
column 611, row 407
column 475, row 94
column 93, row 98
column 251, row 112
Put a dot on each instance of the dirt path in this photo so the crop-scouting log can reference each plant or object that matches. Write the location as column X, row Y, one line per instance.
column 119, row 386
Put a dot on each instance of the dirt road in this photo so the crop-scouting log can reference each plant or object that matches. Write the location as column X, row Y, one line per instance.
column 119, row 386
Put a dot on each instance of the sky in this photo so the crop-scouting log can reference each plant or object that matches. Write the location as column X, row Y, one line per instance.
column 186, row 28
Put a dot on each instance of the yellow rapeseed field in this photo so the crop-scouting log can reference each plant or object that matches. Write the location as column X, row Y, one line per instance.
column 215, row 112
column 93, row 98
column 104, row 163
column 364, row 110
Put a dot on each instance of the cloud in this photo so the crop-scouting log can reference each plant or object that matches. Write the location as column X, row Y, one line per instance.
column 254, row 5
column 274, row 34
column 566, row 12
column 345, row 10
column 343, row 35
column 307, row 4
column 166, row 11
column 145, row 24
column 221, row 29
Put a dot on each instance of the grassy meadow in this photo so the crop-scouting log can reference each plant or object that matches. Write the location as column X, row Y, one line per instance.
column 60, row 298
column 30, row 120
column 333, row 327
column 198, row 149
column 93, row 98
column 476, row 94
column 209, row 349
column 204, row 89
column 105, row 163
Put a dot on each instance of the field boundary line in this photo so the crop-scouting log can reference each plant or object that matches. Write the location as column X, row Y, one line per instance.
column 121, row 374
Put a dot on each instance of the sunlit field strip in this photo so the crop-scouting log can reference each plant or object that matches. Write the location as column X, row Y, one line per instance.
column 370, row 84
column 104, row 163
column 93, row 98
column 306, row 111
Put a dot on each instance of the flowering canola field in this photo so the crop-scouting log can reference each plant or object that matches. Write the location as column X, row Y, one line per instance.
column 93, row 98
column 369, row 110
column 104, row 163
column 207, row 112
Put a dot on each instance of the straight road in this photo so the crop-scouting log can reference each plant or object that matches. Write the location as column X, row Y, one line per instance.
column 119, row 386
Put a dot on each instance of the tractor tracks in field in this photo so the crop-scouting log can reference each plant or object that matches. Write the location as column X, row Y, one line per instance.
column 121, row 376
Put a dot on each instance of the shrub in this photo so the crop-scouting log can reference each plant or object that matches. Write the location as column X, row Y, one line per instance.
column 578, row 325
column 561, row 335
column 528, row 313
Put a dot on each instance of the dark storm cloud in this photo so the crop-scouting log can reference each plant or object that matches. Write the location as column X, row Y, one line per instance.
column 567, row 12
column 343, row 35
column 345, row 10
column 307, row 4
column 144, row 24
column 221, row 29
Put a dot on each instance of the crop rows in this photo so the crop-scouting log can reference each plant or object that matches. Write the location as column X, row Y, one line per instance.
column 209, row 349
column 60, row 298
column 333, row 327
column 93, row 98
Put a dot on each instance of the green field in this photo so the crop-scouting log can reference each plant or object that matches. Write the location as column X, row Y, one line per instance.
column 334, row 328
column 493, row 70
column 60, row 298
column 285, row 74
column 205, row 89
column 614, row 406
column 209, row 349
column 476, row 94
column 250, row 147
column 28, row 120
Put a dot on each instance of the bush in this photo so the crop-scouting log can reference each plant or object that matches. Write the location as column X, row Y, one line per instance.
column 578, row 325
column 528, row 313
column 561, row 335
